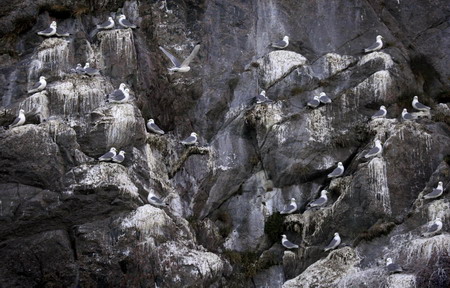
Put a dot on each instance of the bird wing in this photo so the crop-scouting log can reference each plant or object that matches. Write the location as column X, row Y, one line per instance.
column 325, row 99
column 191, row 56
column 107, row 155
column 157, row 200
column 172, row 58
column 155, row 127
column 127, row 23
column 16, row 121
column 36, row 85
column 90, row 71
column 314, row 103
column 104, row 24
column 373, row 46
column 116, row 95
column 421, row 106
column 288, row 244
column 373, row 151
column 394, row 267
column 318, row 202
column 190, row 139
column 46, row 31
column 288, row 208
column 118, row 158
column 378, row 113
column 332, row 244
column 433, row 228
column 280, row 43
column 337, row 171
column 408, row 116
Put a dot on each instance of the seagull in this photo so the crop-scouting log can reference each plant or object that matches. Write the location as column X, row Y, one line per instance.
column 79, row 69
column 375, row 46
column 38, row 86
column 314, row 103
column 20, row 119
column 262, row 98
column 119, row 95
column 281, row 44
column 393, row 267
column 191, row 140
column 288, row 244
column 334, row 242
column 324, row 98
column 108, row 24
column 290, row 208
column 153, row 127
column 407, row 116
column 376, row 150
column 338, row 171
column 90, row 71
column 123, row 21
column 433, row 227
column 108, row 155
column 155, row 201
column 436, row 192
column 50, row 31
column 419, row 106
column 321, row 201
column 380, row 113
column 177, row 66
column 119, row 157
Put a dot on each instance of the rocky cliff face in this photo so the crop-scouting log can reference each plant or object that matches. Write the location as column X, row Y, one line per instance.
column 68, row 220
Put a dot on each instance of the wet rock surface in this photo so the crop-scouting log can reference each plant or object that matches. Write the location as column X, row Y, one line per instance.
column 69, row 220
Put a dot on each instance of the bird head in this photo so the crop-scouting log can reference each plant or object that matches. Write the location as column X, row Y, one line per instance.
column 316, row 97
column 86, row 65
column 42, row 78
column 323, row 94
column 440, row 183
column 340, row 164
column 194, row 134
column 151, row 121
column 122, row 17
column 286, row 38
column 53, row 24
column 122, row 86
column 283, row 236
column 379, row 37
column 404, row 111
column 122, row 152
column 383, row 107
column 21, row 111
column 438, row 219
column 292, row 199
column 110, row 19
column 263, row 92
column 113, row 149
column 78, row 65
column 377, row 142
column 336, row 234
column 324, row 192
column 388, row 261
column 416, row 98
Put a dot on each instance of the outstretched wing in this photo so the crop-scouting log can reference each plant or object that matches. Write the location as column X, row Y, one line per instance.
column 172, row 58
column 191, row 56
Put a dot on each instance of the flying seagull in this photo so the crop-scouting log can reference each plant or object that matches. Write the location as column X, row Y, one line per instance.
column 375, row 46
column 380, row 113
column 177, row 66
column 437, row 192
column 262, row 98
column 119, row 95
column 281, row 44
column 153, row 127
column 338, row 171
column 288, row 244
column 393, row 267
column 321, row 201
column 324, row 98
column 376, row 150
column 38, row 86
column 108, row 155
column 314, row 103
column 191, row 140
column 407, row 116
column 90, row 71
column 20, row 119
column 123, row 21
column 119, row 157
column 108, row 24
column 334, row 242
column 419, row 106
column 433, row 227
column 155, row 201
column 50, row 31
column 290, row 208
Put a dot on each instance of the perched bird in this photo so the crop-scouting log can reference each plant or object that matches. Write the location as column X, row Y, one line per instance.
column 262, row 98
column 288, row 244
column 321, row 201
column 177, row 66
column 38, row 86
column 191, row 140
column 375, row 46
column 90, row 71
column 50, row 31
column 123, row 21
column 153, row 127
column 108, row 155
column 79, row 69
column 281, row 44
column 334, row 242
column 419, row 106
column 314, row 103
column 338, row 171
column 437, row 192
column 393, row 267
column 433, row 227
column 155, row 201
column 380, row 113
column 108, row 24
column 290, row 208
column 376, row 150
column 119, row 157
column 407, row 116
column 119, row 95
column 20, row 119
column 324, row 98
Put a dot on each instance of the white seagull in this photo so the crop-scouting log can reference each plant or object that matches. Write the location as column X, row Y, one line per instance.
column 191, row 140
column 433, row 227
column 288, row 244
column 437, row 192
column 154, row 128
column 108, row 24
column 419, row 106
column 38, row 86
column 321, row 201
column 123, row 21
column 119, row 95
column 375, row 46
column 90, row 71
column 281, row 44
column 407, row 116
column 20, row 119
column 393, row 267
column 324, row 98
column 334, row 242
column 119, row 157
column 380, row 113
column 376, row 150
column 177, row 65
column 50, row 31
column 338, row 171
column 108, row 155
column 314, row 103
column 79, row 69
column 262, row 98
column 290, row 208
column 155, row 201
